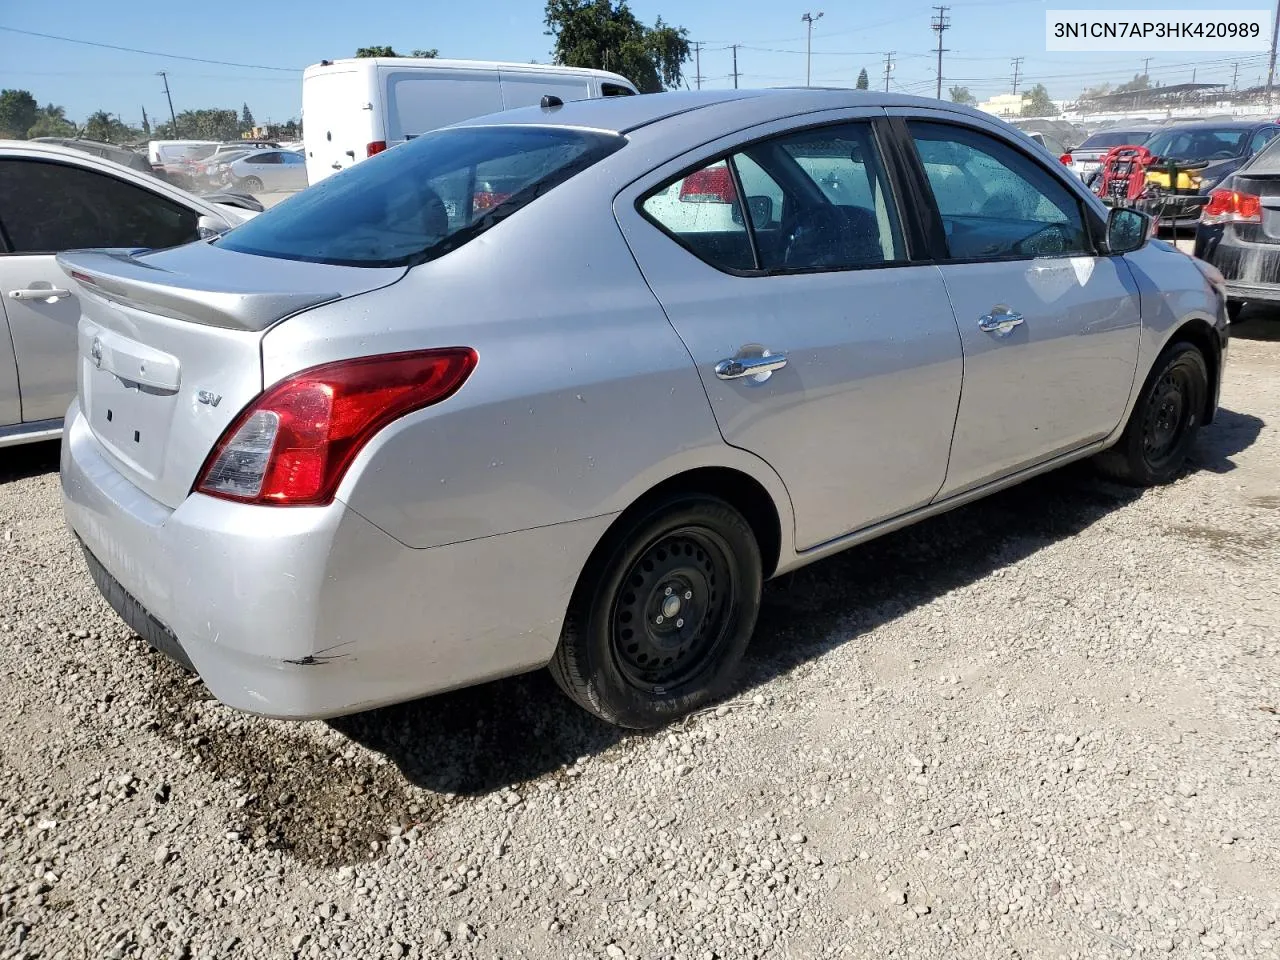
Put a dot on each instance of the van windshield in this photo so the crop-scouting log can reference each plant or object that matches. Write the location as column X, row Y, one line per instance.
column 421, row 199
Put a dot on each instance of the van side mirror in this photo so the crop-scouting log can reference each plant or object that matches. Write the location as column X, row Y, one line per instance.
column 1127, row 230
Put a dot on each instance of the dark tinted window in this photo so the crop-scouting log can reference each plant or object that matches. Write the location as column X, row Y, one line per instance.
column 423, row 198
column 46, row 207
column 1193, row 144
column 1266, row 161
column 818, row 200
column 1113, row 138
column 996, row 202
column 616, row 90
column 1261, row 139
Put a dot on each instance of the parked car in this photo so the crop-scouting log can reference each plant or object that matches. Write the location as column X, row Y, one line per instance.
column 353, row 109
column 55, row 198
column 397, row 444
column 1085, row 160
column 216, row 171
column 268, row 170
column 1052, row 145
column 1202, row 154
column 1239, row 230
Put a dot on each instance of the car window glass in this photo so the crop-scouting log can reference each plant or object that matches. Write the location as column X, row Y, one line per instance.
column 701, row 211
column 47, row 207
column 994, row 201
column 817, row 201
column 1261, row 139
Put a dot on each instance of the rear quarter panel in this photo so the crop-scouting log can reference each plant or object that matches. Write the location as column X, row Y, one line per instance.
column 584, row 398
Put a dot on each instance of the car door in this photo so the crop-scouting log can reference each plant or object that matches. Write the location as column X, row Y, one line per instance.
column 293, row 171
column 822, row 347
column 1050, row 328
column 47, row 206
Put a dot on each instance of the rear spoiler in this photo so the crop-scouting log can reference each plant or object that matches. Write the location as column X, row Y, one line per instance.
column 215, row 299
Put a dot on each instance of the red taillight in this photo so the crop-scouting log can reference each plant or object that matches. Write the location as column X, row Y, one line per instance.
column 376, row 147
column 293, row 444
column 487, row 199
column 712, row 184
column 1231, row 206
column 1066, row 160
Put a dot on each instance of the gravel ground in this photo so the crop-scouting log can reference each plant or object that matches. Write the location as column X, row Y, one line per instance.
column 1041, row 726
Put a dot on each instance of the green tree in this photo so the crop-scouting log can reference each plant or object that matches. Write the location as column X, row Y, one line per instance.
column 430, row 54
column 51, row 121
column 1139, row 82
column 207, row 124
column 290, row 130
column 863, row 81
column 426, row 54
column 962, row 95
column 105, row 128
column 606, row 35
column 18, row 113
column 246, row 119
column 1038, row 103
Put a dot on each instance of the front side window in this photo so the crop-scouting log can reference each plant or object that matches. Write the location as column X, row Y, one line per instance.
column 816, row 200
column 423, row 198
column 995, row 202
column 47, row 207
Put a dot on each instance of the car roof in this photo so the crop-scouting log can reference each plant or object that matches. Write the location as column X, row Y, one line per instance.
column 1218, row 125
column 624, row 114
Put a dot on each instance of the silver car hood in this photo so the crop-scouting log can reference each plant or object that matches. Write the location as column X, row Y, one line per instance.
column 203, row 283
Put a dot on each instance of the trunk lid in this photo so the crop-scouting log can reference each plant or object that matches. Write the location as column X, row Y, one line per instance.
column 169, row 347
column 1267, row 187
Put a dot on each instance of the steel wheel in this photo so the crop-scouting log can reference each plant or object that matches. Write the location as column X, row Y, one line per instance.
column 671, row 619
column 1167, row 415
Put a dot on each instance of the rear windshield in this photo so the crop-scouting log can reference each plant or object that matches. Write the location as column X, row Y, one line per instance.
column 1112, row 138
column 421, row 199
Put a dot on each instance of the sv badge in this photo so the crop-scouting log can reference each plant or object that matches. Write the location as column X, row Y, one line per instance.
column 209, row 397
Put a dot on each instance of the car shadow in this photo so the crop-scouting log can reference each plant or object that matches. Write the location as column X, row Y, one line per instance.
column 29, row 460
column 1257, row 322
column 511, row 731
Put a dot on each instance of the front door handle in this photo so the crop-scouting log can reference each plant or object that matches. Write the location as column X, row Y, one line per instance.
column 47, row 294
column 1000, row 323
column 738, row 367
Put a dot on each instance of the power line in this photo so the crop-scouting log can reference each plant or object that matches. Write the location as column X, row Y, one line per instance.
column 149, row 53
column 940, row 25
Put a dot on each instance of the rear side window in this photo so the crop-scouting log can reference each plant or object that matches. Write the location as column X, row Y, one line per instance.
column 1266, row 161
column 817, row 200
column 48, row 207
column 417, row 201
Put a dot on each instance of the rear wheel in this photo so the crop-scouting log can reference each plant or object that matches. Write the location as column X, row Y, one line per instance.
column 1165, row 421
column 1234, row 308
column 252, row 184
column 658, row 628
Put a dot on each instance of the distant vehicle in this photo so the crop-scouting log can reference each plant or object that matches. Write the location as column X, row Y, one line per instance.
column 1239, row 230
column 1203, row 154
column 353, row 109
column 216, row 171
column 1050, row 143
column 1085, row 159
column 260, row 170
column 55, row 198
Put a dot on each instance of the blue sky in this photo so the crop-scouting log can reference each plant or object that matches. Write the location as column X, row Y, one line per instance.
column 287, row 35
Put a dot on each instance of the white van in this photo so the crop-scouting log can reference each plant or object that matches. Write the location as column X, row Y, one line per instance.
column 352, row 109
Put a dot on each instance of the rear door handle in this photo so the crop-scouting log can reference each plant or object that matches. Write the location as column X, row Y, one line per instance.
column 49, row 294
column 1000, row 323
column 736, row 368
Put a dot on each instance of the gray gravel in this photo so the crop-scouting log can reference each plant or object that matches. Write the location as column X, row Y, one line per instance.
column 1043, row 726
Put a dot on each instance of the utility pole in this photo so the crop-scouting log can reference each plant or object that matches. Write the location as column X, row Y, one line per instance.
column 1017, row 64
column 1146, row 66
column 888, row 68
column 697, row 63
column 810, row 19
column 172, row 116
column 146, row 123
column 1235, row 76
column 940, row 25
column 735, row 47
column 1271, row 68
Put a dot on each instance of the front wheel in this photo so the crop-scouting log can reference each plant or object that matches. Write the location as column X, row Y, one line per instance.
column 659, row 626
column 252, row 184
column 1165, row 421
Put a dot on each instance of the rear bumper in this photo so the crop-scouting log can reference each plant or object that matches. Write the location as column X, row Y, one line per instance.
column 314, row 612
column 1252, row 270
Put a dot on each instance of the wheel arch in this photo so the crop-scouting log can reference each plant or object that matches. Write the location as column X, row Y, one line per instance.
column 1200, row 334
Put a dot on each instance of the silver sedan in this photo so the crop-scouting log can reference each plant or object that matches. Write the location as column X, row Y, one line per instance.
column 562, row 386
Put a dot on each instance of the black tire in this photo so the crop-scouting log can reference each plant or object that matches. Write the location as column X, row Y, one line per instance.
column 252, row 184
column 1163, row 426
column 1234, row 308
column 626, row 653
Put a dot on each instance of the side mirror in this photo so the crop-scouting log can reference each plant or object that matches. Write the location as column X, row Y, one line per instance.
column 208, row 227
column 761, row 208
column 1127, row 230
